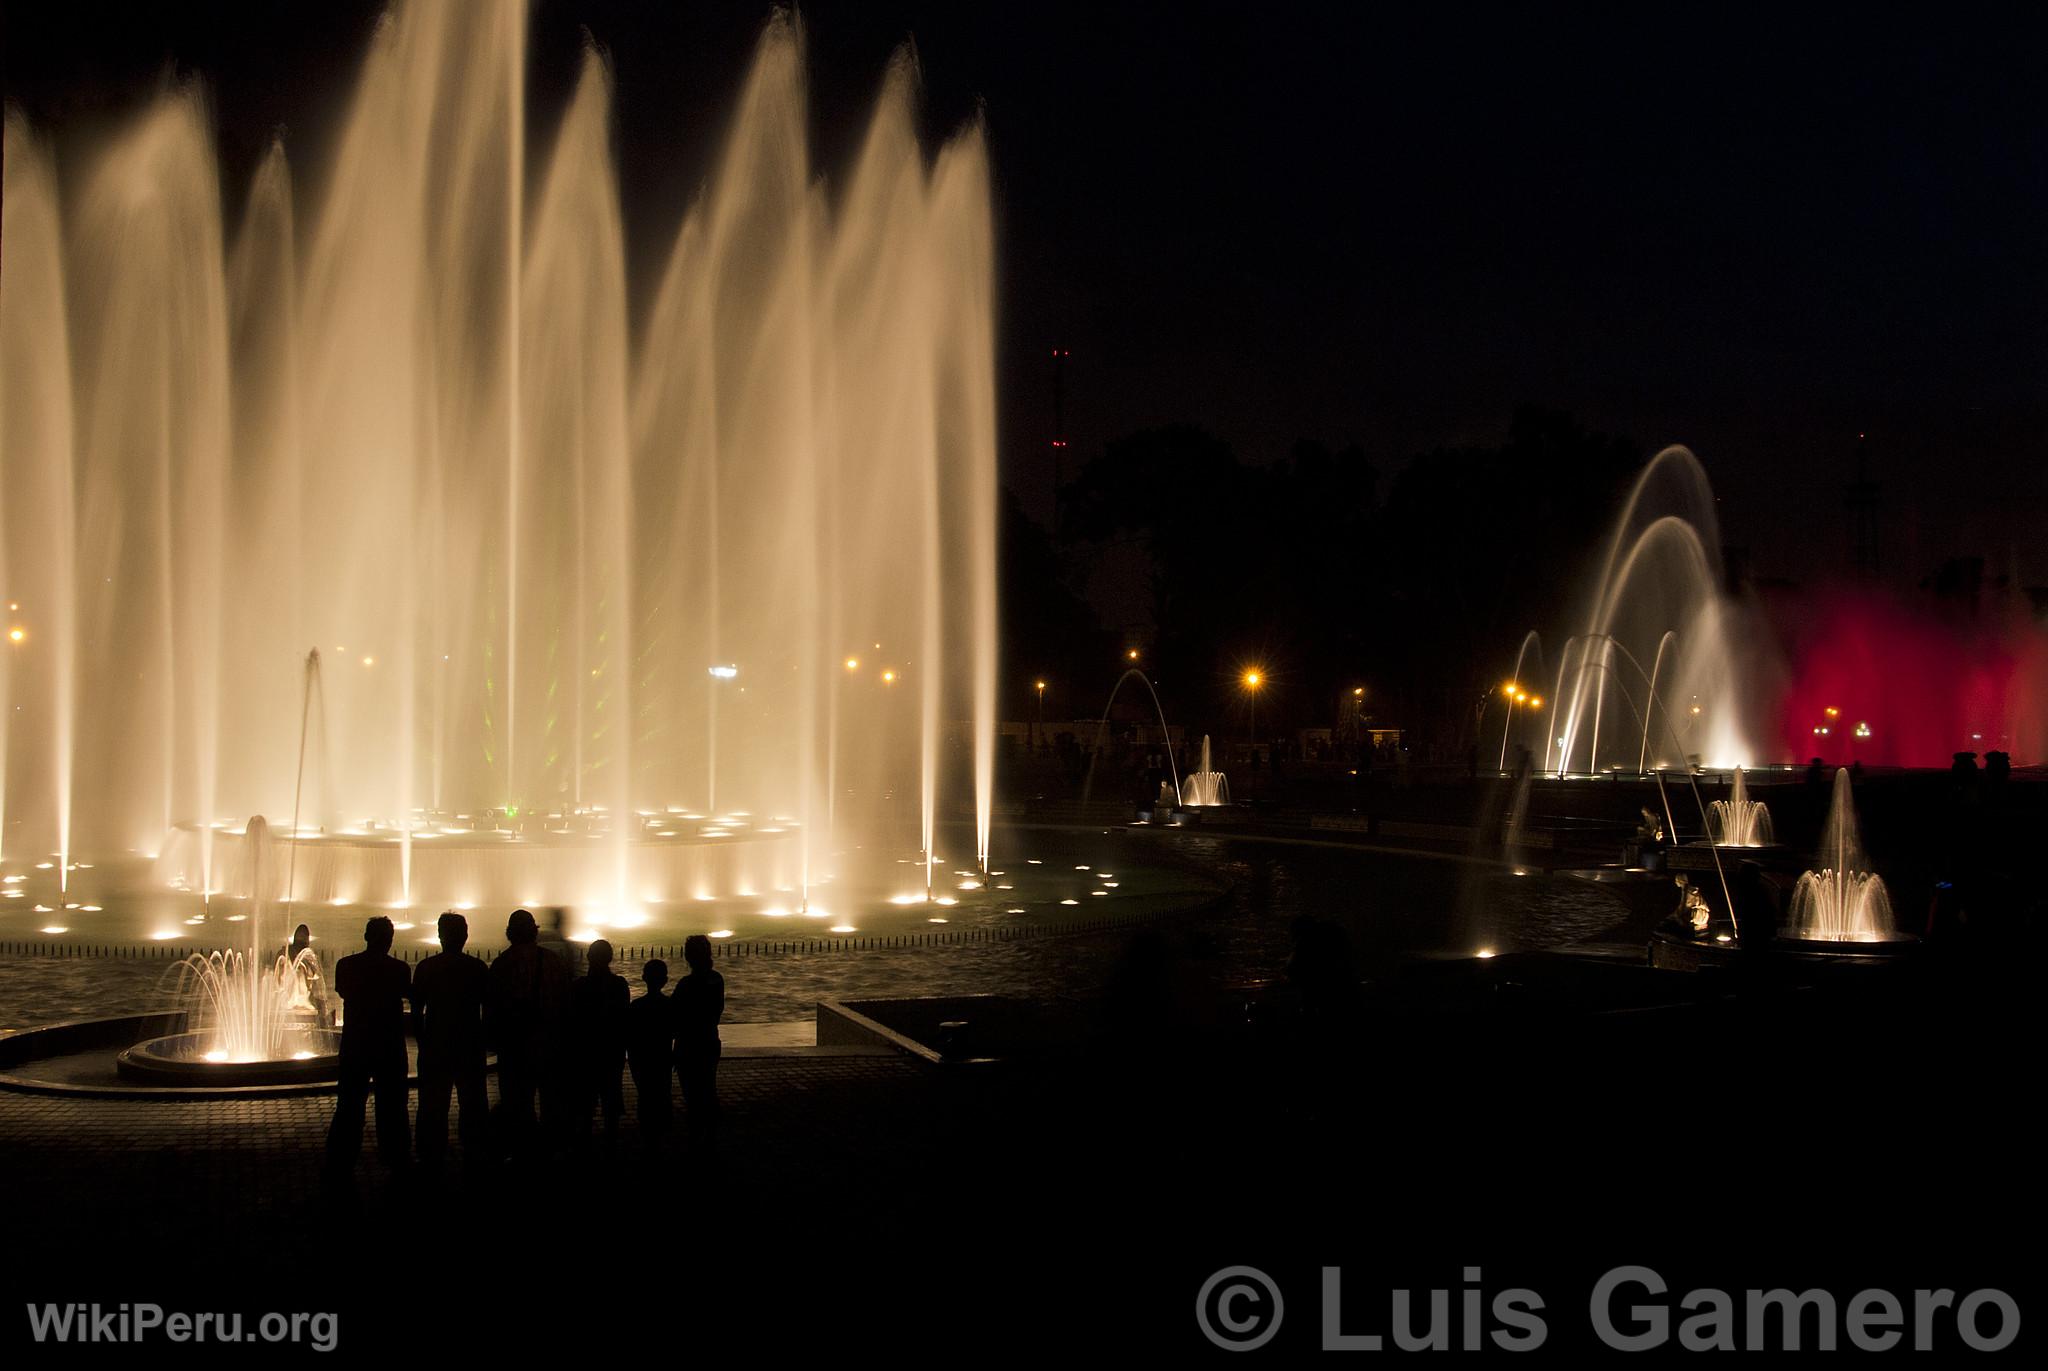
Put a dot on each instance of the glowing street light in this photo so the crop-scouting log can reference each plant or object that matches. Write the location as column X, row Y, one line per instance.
column 1253, row 679
column 889, row 678
column 725, row 673
column 1515, row 694
column 17, row 635
column 853, row 664
column 1131, row 654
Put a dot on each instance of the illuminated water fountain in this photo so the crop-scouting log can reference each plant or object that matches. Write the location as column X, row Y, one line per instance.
column 587, row 578
column 1739, row 821
column 1842, row 900
column 1206, row 786
column 1660, row 676
column 254, row 1012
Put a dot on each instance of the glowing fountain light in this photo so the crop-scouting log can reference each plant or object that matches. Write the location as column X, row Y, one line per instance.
column 1739, row 821
column 1206, row 787
column 1842, row 900
column 248, row 1004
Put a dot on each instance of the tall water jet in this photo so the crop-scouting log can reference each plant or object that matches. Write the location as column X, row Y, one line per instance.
column 1842, row 899
column 401, row 417
column 1206, row 786
column 37, row 681
column 1179, row 795
column 1739, row 821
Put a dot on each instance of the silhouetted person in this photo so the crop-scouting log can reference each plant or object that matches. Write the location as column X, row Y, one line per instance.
column 372, row 985
column 597, row 1040
column 448, row 992
column 523, row 1011
column 699, row 1004
column 651, row 1048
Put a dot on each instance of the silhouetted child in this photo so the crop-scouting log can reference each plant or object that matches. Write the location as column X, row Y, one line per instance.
column 597, row 1036
column 699, row 1004
column 651, row 1048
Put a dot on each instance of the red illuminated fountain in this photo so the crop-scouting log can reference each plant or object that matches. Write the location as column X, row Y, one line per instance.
column 1875, row 682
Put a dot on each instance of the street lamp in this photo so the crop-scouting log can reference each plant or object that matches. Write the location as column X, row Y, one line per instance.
column 1515, row 695
column 1253, row 679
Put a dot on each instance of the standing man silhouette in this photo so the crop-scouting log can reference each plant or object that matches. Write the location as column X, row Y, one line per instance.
column 528, row 995
column 699, row 1003
column 448, row 993
column 372, row 985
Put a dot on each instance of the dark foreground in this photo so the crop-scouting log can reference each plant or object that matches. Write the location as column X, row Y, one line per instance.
column 1507, row 1125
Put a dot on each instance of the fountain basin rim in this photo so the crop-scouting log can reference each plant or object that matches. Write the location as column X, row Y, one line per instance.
column 172, row 1059
column 22, row 1049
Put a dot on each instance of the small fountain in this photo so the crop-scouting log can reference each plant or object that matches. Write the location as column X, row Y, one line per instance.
column 252, row 1015
column 1843, row 901
column 1207, row 787
column 1739, row 821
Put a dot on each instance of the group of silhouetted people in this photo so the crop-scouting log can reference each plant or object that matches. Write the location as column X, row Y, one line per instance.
column 563, row 1044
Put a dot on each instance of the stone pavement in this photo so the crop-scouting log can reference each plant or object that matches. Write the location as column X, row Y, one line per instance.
column 236, row 1175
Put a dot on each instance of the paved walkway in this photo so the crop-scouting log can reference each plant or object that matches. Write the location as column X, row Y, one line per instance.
column 228, row 1178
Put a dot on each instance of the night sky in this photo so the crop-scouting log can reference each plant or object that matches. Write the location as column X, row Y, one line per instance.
column 1757, row 234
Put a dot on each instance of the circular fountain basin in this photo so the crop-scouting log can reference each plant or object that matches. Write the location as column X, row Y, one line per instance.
column 1672, row 951
column 1881, row 945
column 181, row 1059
